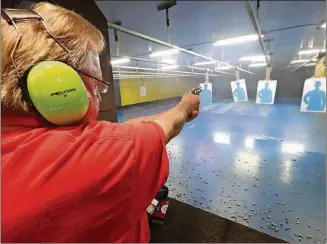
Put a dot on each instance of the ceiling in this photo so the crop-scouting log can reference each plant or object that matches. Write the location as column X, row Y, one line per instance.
column 196, row 22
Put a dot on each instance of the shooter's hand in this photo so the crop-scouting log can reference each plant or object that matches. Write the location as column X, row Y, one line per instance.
column 193, row 102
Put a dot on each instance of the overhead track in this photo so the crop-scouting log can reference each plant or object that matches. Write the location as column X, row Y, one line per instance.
column 146, row 73
column 310, row 60
column 254, row 19
column 149, row 76
column 289, row 28
column 154, row 40
column 155, row 62
column 165, row 71
column 143, row 77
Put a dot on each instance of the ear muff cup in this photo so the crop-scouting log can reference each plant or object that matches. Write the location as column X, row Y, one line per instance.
column 57, row 92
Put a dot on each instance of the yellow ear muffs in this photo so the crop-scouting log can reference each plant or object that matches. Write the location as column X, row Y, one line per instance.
column 57, row 92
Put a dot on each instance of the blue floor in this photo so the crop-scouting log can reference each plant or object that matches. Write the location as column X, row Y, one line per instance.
column 259, row 165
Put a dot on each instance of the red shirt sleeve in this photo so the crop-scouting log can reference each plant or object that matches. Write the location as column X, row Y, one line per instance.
column 151, row 162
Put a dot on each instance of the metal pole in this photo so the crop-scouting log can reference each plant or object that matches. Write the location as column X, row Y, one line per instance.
column 116, row 41
column 148, row 38
column 168, row 26
column 305, row 63
column 151, row 61
column 254, row 19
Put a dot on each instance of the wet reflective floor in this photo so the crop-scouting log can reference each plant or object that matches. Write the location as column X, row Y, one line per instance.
column 263, row 166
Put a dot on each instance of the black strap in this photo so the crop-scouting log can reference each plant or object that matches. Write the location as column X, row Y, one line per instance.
column 16, row 15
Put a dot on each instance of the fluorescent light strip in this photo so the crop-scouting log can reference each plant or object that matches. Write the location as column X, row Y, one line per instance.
column 153, row 76
column 120, row 61
column 147, row 74
column 150, row 76
column 311, row 51
column 168, row 61
column 139, row 73
column 164, row 53
column 253, row 58
column 236, row 40
column 296, row 61
column 309, row 64
column 258, row 65
column 223, row 68
column 146, row 77
column 205, row 63
column 167, row 67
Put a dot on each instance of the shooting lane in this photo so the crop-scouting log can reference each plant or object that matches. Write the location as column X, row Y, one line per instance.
column 241, row 171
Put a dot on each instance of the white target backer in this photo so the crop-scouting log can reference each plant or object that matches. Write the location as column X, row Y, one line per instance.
column 143, row 91
column 239, row 91
column 266, row 91
column 206, row 93
column 314, row 95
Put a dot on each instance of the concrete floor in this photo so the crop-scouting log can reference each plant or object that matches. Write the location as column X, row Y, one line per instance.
column 259, row 165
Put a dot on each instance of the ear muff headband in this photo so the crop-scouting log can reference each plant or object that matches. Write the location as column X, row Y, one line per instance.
column 56, row 91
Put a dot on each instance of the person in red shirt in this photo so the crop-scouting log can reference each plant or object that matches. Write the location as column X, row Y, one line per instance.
column 82, row 181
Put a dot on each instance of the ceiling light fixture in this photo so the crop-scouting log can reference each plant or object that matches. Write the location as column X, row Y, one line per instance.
column 120, row 61
column 223, row 67
column 309, row 64
column 167, row 67
column 253, row 58
column 236, row 40
column 258, row 65
column 205, row 63
column 168, row 61
column 323, row 25
column 164, row 53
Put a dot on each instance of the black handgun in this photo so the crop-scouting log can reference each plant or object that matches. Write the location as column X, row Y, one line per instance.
column 196, row 91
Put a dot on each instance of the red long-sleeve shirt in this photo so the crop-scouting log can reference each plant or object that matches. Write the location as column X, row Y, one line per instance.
column 88, row 183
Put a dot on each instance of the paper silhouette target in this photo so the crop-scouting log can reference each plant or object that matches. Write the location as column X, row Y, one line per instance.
column 266, row 91
column 239, row 91
column 143, row 91
column 206, row 93
column 314, row 95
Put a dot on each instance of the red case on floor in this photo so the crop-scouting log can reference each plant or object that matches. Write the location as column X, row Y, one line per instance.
column 161, row 209
column 158, row 208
